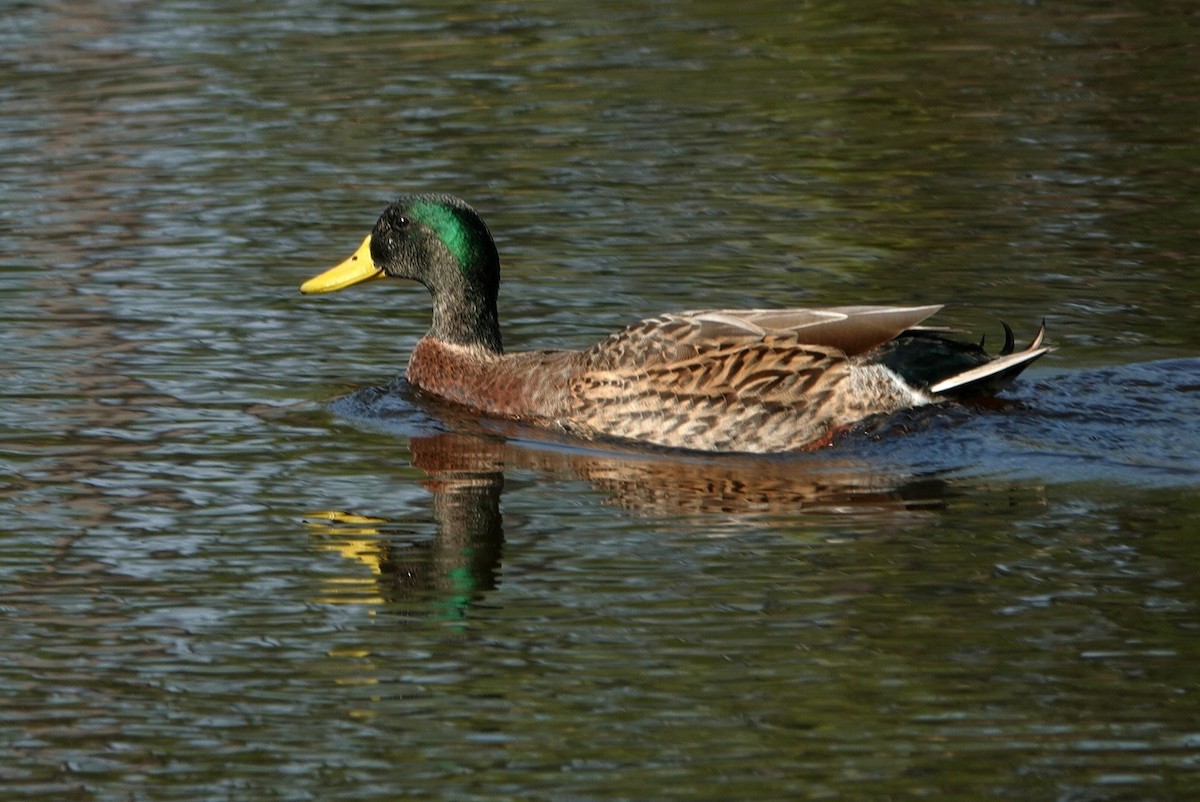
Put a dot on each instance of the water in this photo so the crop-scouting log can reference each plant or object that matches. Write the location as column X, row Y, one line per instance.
column 214, row 583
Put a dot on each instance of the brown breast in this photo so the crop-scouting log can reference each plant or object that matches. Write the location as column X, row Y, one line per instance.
column 530, row 385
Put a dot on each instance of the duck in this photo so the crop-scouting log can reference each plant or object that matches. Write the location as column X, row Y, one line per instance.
column 717, row 380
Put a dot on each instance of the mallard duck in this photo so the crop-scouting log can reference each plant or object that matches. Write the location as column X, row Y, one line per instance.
column 759, row 380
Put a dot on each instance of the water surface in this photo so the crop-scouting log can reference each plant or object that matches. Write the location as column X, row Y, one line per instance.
column 231, row 569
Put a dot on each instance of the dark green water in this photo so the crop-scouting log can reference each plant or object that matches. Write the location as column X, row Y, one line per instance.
column 997, row 605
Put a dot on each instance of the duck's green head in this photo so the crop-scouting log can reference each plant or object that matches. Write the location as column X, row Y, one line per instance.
column 443, row 243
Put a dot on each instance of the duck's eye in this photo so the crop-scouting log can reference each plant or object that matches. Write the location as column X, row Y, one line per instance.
column 402, row 222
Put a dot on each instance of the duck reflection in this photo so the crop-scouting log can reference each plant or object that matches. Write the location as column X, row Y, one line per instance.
column 464, row 474
column 465, row 477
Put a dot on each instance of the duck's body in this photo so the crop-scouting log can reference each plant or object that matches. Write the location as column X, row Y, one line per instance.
column 718, row 380
column 709, row 381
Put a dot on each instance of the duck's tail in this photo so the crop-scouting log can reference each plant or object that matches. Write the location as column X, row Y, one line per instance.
column 994, row 375
column 952, row 369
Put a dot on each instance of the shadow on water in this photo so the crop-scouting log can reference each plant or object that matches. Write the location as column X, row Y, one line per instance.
column 1130, row 425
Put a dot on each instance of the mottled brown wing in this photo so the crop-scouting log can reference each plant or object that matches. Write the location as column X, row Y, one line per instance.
column 742, row 391
column 681, row 335
column 851, row 329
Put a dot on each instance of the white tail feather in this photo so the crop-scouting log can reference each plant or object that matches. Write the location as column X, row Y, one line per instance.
column 1013, row 363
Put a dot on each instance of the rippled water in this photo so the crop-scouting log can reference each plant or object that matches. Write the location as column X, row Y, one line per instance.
column 215, row 583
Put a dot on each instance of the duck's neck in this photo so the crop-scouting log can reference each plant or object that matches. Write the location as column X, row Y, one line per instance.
column 466, row 315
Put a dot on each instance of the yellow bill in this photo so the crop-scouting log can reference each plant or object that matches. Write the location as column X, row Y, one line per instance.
column 359, row 267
